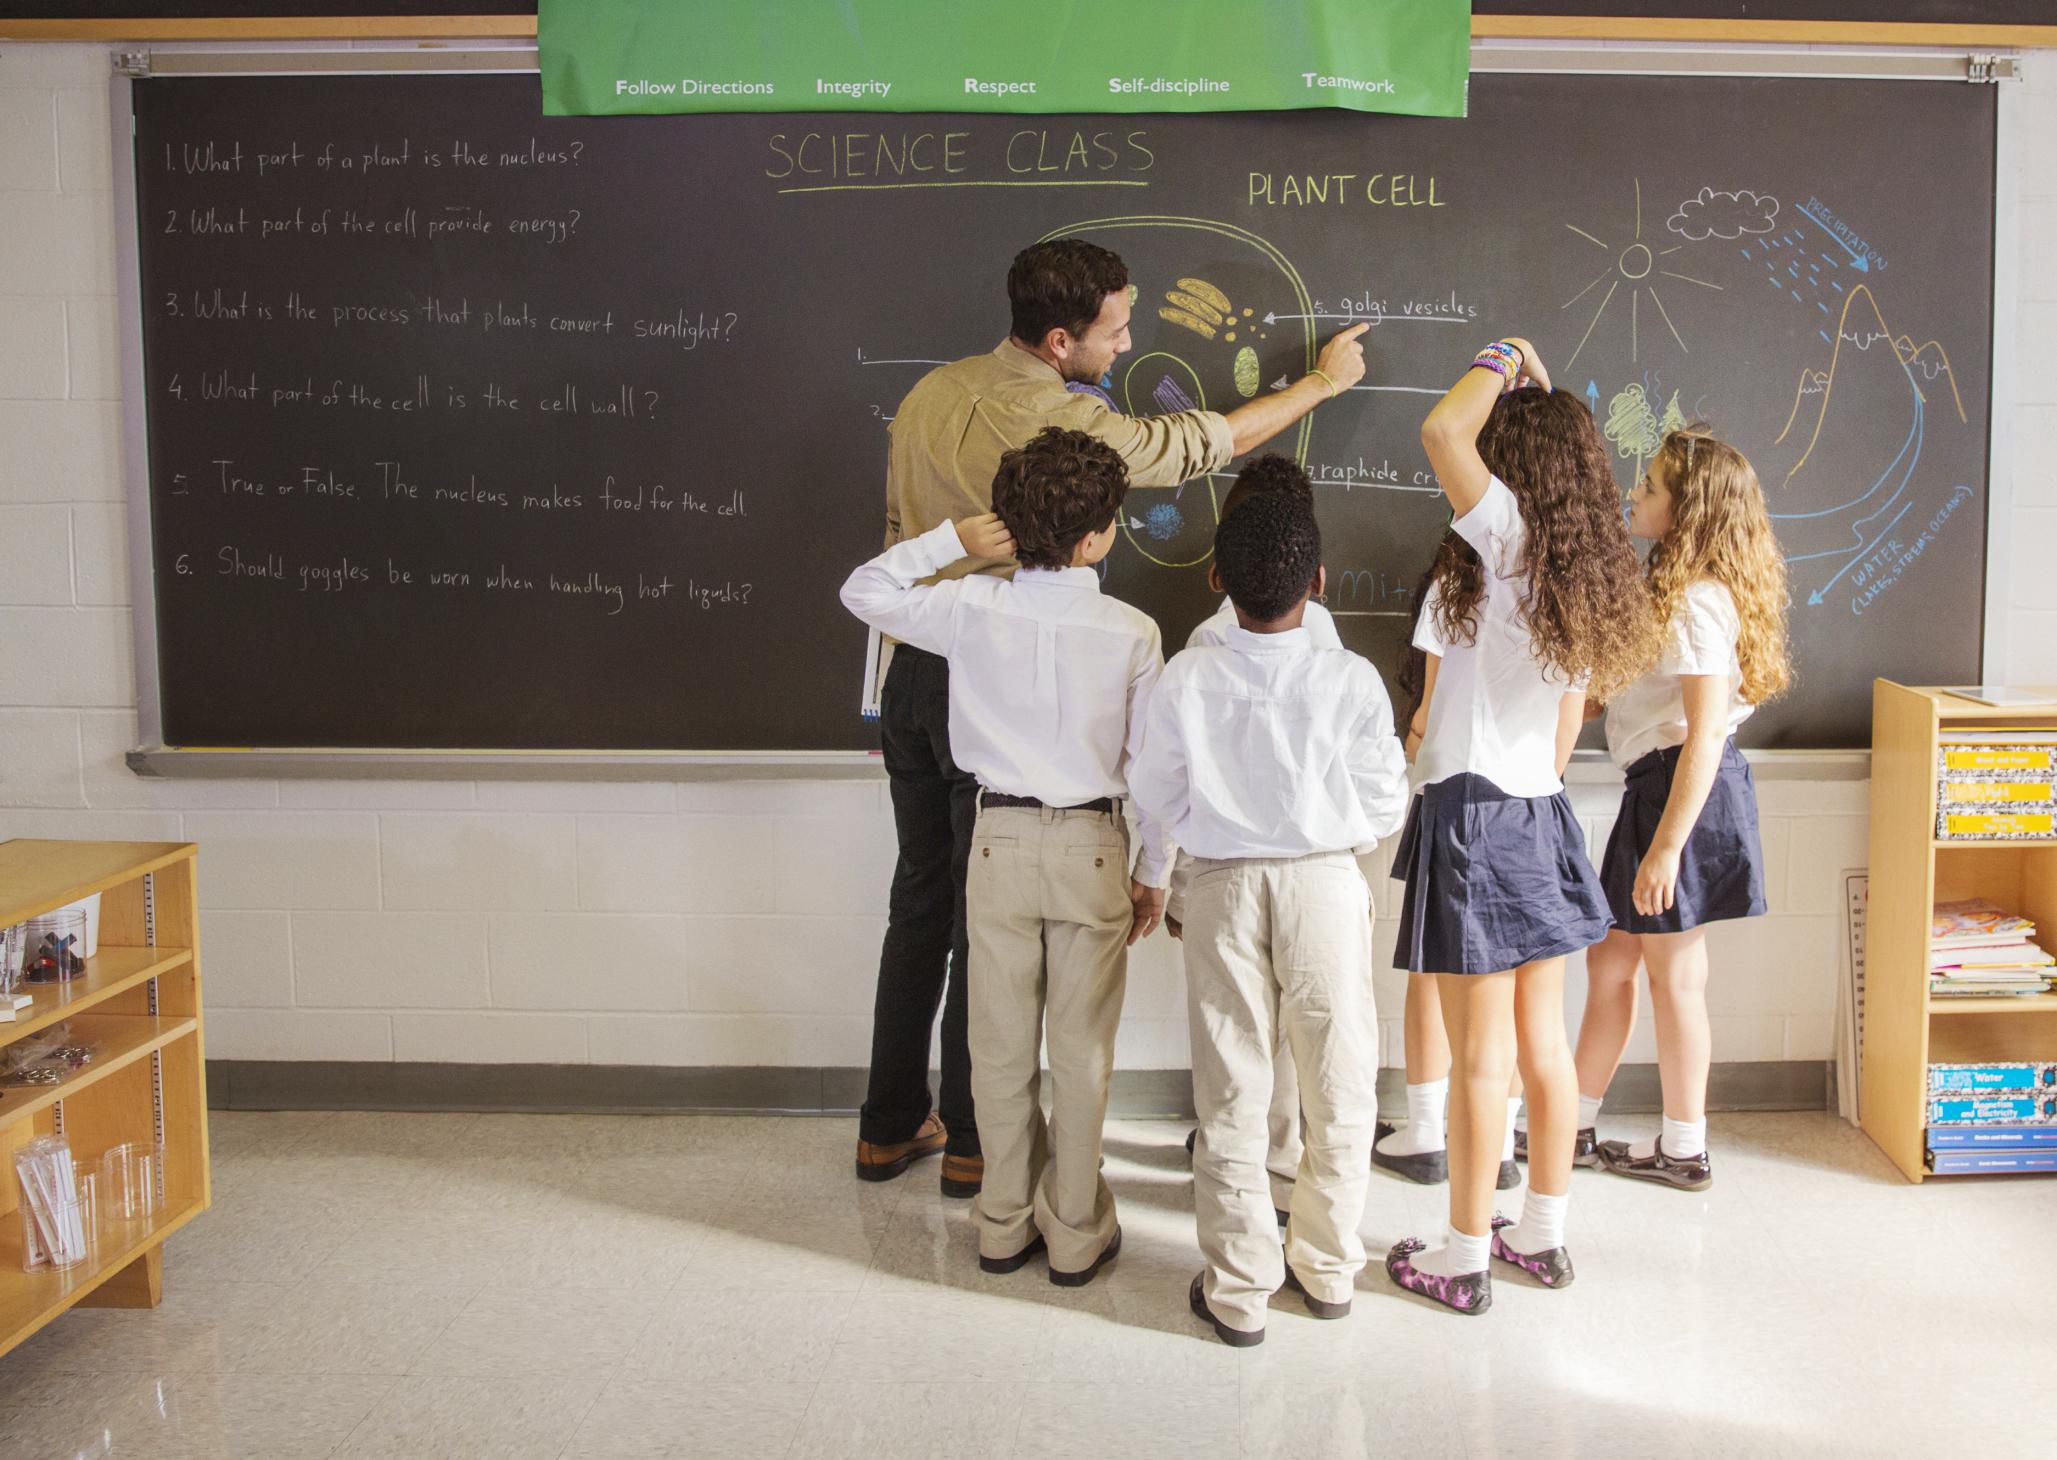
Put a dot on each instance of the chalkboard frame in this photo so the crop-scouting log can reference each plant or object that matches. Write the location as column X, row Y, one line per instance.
column 152, row 757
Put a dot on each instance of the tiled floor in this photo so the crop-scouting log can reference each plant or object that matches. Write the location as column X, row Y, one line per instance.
column 458, row 1286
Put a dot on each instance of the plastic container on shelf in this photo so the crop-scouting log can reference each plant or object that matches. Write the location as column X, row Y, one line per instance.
column 131, row 1181
column 89, row 907
column 53, row 1224
column 13, row 940
column 54, row 948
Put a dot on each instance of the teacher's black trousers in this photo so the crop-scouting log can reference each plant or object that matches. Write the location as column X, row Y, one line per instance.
column 925, row 955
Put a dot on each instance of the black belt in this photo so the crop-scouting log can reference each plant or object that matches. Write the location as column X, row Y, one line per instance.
column 1030, row 803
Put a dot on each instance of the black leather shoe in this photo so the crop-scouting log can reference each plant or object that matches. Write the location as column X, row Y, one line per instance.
column 1079, row 1279
column 1000, row 1266
column 1196, row 1296
column 1316, row 1306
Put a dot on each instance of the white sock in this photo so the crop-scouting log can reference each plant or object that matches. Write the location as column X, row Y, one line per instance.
column 1589, row 1111
column 1541, row 1226
column 1460, row 1253
column 1423, row 1131
column 1514, row 1118
column 1683, row 1140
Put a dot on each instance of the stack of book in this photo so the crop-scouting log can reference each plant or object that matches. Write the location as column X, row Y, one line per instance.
column 1978, row 951
column 1998, row 785
column 1992, row 1118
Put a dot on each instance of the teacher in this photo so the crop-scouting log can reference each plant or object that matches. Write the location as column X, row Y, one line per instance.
column 1070, row 305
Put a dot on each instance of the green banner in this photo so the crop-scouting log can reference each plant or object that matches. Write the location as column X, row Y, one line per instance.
column 626, row 57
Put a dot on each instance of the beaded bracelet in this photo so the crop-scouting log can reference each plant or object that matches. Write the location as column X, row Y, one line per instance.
column 1504, row 360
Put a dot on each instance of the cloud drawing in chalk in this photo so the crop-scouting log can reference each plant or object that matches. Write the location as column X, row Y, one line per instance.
column 1714, row 214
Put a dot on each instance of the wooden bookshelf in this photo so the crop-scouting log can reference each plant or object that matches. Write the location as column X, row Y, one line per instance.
column 1912, row 869
column 138, row 1002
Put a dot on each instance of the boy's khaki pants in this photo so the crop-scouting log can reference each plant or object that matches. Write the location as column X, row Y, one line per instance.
column 1047, row 902
column 1280, row 946
column 1283, row 1159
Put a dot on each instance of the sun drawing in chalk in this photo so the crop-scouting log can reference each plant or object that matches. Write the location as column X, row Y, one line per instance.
column 1633, row 265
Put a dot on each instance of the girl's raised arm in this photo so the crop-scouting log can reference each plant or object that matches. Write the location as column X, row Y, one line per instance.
column 1450, row 434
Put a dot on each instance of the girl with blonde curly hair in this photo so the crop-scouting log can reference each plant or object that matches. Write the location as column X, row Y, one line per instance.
column 1498, row 887
column 1685, row 849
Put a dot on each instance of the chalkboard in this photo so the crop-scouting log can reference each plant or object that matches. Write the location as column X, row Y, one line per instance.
column 472, row 428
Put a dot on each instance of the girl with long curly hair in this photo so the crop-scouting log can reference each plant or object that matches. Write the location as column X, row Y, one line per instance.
column 1498, row 887
column 1416, row 1148
column 1685, row 850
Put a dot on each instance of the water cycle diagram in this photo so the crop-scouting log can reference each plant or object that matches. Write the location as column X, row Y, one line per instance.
column 1855, row 506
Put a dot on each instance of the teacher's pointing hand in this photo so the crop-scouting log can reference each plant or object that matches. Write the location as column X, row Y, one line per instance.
column 1342, row 358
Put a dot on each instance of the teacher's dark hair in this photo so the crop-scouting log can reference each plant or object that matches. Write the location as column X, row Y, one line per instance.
column 1055, row 490
column 1060, row 285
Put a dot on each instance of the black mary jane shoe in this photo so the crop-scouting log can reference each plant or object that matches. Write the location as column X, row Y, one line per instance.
column 1693, row 1173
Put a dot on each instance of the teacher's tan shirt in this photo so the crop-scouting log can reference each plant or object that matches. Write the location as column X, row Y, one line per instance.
column 949, row 434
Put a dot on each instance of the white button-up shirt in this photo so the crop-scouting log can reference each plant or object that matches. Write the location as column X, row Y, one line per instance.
column 1050, row 679
column 1700, row 639
column 1267, row 746
column 1494, row 712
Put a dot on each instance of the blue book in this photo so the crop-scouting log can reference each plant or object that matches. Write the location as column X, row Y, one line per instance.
column 2014, row 1075
column 1984, row 1163
column 2008, row 1110
column 1980, row 1137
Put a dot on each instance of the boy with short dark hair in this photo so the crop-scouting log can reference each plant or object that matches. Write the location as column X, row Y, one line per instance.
column 1270, row 760
column 1049, row 681
column 1260, row 474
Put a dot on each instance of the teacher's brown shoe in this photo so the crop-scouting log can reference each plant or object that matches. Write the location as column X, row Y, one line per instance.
column 963, row 1175
column 883, row 1163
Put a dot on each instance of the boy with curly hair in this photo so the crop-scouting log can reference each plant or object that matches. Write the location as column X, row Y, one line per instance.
column 1049, row 680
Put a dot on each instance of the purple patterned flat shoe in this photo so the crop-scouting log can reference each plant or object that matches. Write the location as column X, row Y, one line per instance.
column 1694, row 1173
column 1468, row 1293
column 1552, row 1268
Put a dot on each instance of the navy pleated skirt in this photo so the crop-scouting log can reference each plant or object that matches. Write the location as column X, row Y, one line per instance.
column 1493, row 881
column 1721, row 870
